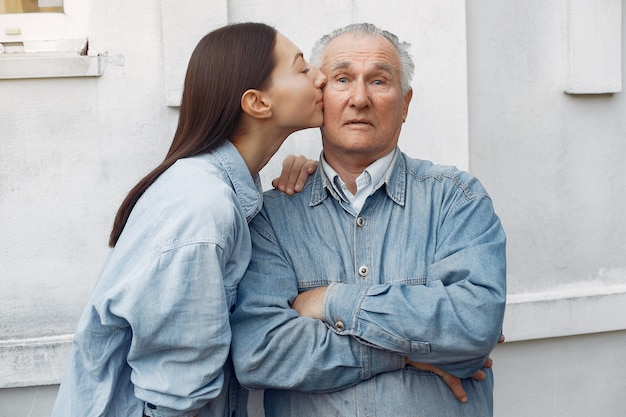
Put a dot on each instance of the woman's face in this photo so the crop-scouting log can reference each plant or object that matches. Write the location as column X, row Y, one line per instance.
column 295, row 89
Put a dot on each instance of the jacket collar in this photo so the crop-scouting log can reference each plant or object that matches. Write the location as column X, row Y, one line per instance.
column 394, row 181
column 247, row 188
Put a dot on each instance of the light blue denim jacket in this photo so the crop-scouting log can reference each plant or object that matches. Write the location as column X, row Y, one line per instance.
column 418, row 273
column 155, row 335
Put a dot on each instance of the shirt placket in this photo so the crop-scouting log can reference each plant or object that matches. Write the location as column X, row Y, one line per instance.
column 362, row 246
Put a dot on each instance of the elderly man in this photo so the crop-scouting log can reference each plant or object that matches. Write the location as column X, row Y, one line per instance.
column 382, row 268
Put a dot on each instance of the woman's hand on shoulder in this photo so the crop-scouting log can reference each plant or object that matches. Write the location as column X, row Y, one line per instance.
column 296, row 170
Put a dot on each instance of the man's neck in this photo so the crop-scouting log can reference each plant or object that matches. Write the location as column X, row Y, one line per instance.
column 350, row 168
column 347, row 170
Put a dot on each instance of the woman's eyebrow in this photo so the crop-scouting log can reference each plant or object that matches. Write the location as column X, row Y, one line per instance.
column 298, row 55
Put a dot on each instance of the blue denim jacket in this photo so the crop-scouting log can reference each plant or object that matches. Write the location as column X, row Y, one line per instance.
column 155, row 335
column 418, row 273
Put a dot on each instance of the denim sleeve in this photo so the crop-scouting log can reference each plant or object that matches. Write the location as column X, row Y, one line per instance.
column 178, row 314
column 274, row 347
column 455, row 319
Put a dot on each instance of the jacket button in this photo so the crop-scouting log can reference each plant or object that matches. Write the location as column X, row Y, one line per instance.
column 360, row 221
column 363, row 270
column 339, row 325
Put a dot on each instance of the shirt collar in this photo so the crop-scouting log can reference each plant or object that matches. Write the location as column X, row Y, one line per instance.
column 367, row 182
column 248, row 189
column 389, row 170
column 375, row 171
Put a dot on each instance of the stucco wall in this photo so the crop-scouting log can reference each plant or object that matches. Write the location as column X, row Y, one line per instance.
column 552, row 161
column 70, row 148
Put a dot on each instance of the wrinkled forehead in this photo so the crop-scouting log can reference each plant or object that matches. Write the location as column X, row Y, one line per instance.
column 359, row 49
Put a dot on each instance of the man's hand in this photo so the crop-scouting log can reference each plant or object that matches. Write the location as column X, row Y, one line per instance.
column 310, row 303
column 296, row 170
column 451, row 381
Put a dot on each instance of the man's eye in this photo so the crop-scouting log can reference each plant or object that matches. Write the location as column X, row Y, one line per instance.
column 342, row 80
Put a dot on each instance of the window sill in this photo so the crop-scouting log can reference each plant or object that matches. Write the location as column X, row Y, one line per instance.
column 581, row 308
column 49, row 65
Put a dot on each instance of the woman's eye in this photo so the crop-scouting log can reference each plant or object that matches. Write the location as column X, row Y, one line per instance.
column 306, row 70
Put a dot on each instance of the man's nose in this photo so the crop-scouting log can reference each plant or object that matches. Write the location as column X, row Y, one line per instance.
column 359, row 97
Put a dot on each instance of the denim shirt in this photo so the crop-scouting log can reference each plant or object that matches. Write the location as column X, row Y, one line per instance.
column 155, row 335
column 419, row 272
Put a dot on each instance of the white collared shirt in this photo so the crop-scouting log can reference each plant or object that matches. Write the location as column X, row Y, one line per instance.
column 366, row 183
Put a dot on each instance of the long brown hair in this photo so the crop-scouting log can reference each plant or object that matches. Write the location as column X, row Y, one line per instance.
column 225, row 63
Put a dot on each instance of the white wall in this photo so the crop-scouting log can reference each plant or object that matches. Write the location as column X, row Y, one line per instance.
column 70, row 148
column 552, row 163
column 556, row 377
column 551, row 160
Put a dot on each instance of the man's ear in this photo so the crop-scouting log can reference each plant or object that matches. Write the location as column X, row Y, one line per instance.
column 256, row 104
column 407, row 100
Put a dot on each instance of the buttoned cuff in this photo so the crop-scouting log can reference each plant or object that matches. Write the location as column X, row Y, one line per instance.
column 150, row 410
column 342, row 303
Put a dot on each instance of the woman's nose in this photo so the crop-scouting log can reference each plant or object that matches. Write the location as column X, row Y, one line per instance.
column 320, row 79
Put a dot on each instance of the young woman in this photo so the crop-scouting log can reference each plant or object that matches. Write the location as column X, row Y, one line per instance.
column 155, row 336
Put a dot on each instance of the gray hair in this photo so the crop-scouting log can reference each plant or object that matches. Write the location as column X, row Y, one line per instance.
column 406, row 62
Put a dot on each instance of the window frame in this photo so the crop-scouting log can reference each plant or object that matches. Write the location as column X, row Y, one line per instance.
column 48, row 45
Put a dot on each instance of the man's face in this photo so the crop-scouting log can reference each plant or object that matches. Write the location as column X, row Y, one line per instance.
column 363, row 103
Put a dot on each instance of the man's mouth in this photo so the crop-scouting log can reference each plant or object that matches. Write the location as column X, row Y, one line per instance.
column 358, row 122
